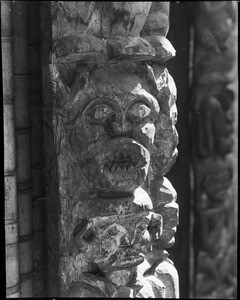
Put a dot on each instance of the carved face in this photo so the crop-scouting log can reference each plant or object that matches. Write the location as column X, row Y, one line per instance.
column 115, row 248
column 117, row 242
column 114, row 131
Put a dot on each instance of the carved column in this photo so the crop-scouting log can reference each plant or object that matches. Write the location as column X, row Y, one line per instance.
column 110, row 137
column 215, row 153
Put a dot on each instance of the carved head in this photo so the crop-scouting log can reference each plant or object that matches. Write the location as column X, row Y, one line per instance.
column 117, row 242
column 115, row 112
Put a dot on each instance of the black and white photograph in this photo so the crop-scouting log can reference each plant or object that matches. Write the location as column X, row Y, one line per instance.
column 120, row 135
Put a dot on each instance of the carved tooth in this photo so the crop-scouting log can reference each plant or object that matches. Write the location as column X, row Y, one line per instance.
column 139, row 164
column 130, row 168
column 124, row 168
column 118, row 168
column 112, row 168
column 134, row 163
column 127, row 165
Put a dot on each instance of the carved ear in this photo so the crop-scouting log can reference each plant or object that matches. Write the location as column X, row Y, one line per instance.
column 73, row 78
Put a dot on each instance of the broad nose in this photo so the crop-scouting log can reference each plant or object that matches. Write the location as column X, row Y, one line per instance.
column 121, row 126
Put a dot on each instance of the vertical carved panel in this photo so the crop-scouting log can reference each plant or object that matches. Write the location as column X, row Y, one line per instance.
column 214, row 134
column 110, row 118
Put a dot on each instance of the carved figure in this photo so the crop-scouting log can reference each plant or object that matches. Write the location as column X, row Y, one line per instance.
column 215, row 60
column 114, row 117
column 111, row 138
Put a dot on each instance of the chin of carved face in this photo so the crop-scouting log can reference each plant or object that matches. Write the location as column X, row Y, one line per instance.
column 117, row 167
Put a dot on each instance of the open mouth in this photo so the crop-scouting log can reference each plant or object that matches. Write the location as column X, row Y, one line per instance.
column 124, row 161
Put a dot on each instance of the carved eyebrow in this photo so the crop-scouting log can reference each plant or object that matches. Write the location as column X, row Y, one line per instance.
column 141, row 99
column 144, row 100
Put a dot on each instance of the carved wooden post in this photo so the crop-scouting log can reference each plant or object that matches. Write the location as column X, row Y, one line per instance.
column 110, row 137
column 215, row 108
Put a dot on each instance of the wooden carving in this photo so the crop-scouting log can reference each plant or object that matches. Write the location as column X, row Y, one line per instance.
column 111, row 139
column 214, row 94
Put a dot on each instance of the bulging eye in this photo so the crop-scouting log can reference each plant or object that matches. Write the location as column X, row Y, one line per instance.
column 138, row 111
column 100, row 112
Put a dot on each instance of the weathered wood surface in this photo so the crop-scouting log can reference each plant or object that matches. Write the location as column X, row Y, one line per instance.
column 214, row 102
column 23, row 152
column 110, row 137
column 10, row 185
